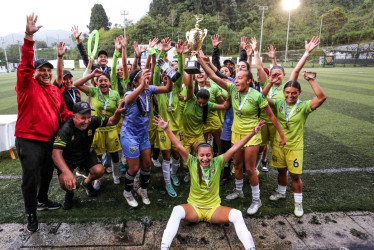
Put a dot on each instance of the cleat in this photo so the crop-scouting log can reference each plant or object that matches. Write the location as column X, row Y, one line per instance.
column 276, row 196
column 130, row 199
column 236, row 194
column 144, row 195
column 175, row 180
column 264, row 167
column 116, row 180
column 156, row 163
column 298, row 209
column 253, row 208
column 49, row 205
column 171, row 191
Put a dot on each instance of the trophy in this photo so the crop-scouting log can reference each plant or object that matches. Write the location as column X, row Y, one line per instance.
column 195, row 38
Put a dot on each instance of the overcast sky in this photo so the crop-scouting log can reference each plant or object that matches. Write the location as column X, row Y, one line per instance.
column 66, row 13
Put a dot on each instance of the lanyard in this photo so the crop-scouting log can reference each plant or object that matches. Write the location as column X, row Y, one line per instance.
column 273, row 92
column 292, row 110
column 105, row 101
column 73, row 97
column 245, row 98
column 210, row 173
column 170, row 98
column 146, row 103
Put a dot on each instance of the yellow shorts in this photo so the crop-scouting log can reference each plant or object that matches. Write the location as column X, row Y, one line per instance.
column 163, row 142
column 286, row 158
column 189, row 142
column 255, row 140
column 212, row 125
column 106, row 141
column 268, row 134
column 152, row 134
column 119, row 125
column 205, row 214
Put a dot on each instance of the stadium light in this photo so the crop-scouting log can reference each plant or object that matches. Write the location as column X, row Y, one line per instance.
column 289, row 5
column 124, row 13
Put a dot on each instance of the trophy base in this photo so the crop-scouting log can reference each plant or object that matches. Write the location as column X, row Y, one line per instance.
column 192, row 67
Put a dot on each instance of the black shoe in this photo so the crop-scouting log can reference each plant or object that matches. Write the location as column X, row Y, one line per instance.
column 68, row 203
column 32, row 222
column 49, row 205
column 89, row 189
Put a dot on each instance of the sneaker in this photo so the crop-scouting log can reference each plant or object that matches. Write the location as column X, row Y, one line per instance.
column 187, row 177
column 236, row 194
column 116, row 180
column 68, row 203
column 175, row 180
column 130, row 199
column 156, row 163
column 276, row 196
column 97, row 184
column 109, row 170
column 49, row 205
column 80, row 173
column 143, row 193
column 298, row 209
column 90, row 191
column 253, row 208
column 171, row 191
column 264, row 167
column 32, row 222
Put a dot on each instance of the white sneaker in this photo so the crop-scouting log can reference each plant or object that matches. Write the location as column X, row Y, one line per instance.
column 298, row 209
column 80, row 174
column 236, row 194
column 109, row 170
column 276, row 196
column 97, row 184
column 130, row 199
column 116, row 180
column 253, row 208
column 187, row 177
column 143, row 193
column 264, row 166
column 156, row 163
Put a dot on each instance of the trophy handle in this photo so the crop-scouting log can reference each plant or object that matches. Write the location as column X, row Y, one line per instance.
column 205, row 33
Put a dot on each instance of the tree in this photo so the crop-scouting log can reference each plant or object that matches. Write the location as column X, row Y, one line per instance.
column 41, row 44
column 333, row 20
column 98, row 18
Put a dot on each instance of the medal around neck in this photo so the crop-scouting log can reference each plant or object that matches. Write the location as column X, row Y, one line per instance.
column 195, row 38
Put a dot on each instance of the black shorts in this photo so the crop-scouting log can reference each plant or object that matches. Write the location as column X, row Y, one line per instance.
column 84, row 165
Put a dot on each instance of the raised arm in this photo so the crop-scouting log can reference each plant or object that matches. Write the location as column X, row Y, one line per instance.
column 308, row 49
column 165, row 89
column 215, row 55
column 116, row 54
column 138, row 50
column 165, row 126
column 60, row 61
column 80, row 84
column 320, row 94
column 181, row 49
column 124, row 58
column 243, row 54
column 260, row 68
column 80, row 46
column 164, row 47
column 211, row 74
column 144, row 79
column 248, row 50
column 271, row 54
column 237, row 146
column 188, row 82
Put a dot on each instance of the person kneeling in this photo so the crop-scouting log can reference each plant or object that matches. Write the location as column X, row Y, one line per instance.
column 72, row 149
column 204, row 201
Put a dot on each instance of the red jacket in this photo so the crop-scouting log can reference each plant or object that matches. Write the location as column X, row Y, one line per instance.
column 41, row 109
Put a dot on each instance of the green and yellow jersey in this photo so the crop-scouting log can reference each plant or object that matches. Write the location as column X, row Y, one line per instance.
column 276, row 93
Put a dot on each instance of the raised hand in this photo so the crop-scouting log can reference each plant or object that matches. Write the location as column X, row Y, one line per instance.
column 166, row 44
column 31, row 27
column 179, row 47
column 76, row 32
column 248, row 50
column 258, row 127
column 243, row 43
column 254, row 44
column 117, row 43
column 137, row 49
column 145, row 77
column 161, row 123
column 215, row 41
column 186, row 48
column 61, row 49
column 123, row 42
column 153, row 42
column 312, row 44
column 97, row 72
column 271, row 52
column 274, row 78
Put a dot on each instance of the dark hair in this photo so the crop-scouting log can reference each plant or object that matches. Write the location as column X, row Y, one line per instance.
column 248, row 74
column 106, row 75
column 204, row 94
column 293, row 84
column 202, row 145
column 247, row 64
column 277, row 67
column 134, row 77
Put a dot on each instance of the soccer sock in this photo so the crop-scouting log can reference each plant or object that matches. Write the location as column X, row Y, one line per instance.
column 171, row 229
column 236, row 217
column 115, row 168
column 282, row 189
column 298, row 197
column 129, row 181
column 174, row 165
column 239, row 184
column 156, row 153
column 255, row 192
column 166, row 171
column 144, row 178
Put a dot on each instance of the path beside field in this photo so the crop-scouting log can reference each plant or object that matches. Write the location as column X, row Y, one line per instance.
column 354, row 230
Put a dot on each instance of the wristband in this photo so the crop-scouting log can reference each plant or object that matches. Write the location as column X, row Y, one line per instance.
column 256, row 52
column 29, row 34
column 306, row 53
column 60, row 56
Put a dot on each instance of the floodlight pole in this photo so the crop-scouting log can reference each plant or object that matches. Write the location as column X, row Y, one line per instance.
column 124, row 13
column 6, row 57
column 288, row 30
column 320, row 30
column 263, row 8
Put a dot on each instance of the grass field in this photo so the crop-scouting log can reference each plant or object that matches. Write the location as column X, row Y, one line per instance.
column 339, row 135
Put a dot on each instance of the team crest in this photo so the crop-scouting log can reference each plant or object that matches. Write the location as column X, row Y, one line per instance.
column 113, row 99
column 298, row 110
column 132, row 149
column 280, row 108
column 274, row 158
column 213, row 171
column 163, row 138
column 250, row 101
column 89, row 132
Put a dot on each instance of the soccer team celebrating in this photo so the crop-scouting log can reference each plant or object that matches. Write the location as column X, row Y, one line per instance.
column 219, row 120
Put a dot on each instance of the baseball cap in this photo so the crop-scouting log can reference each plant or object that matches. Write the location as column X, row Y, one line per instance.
column 229, row 60
column 81, row 107
column 41, row 62
column 102, row 52
column 66, row 73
